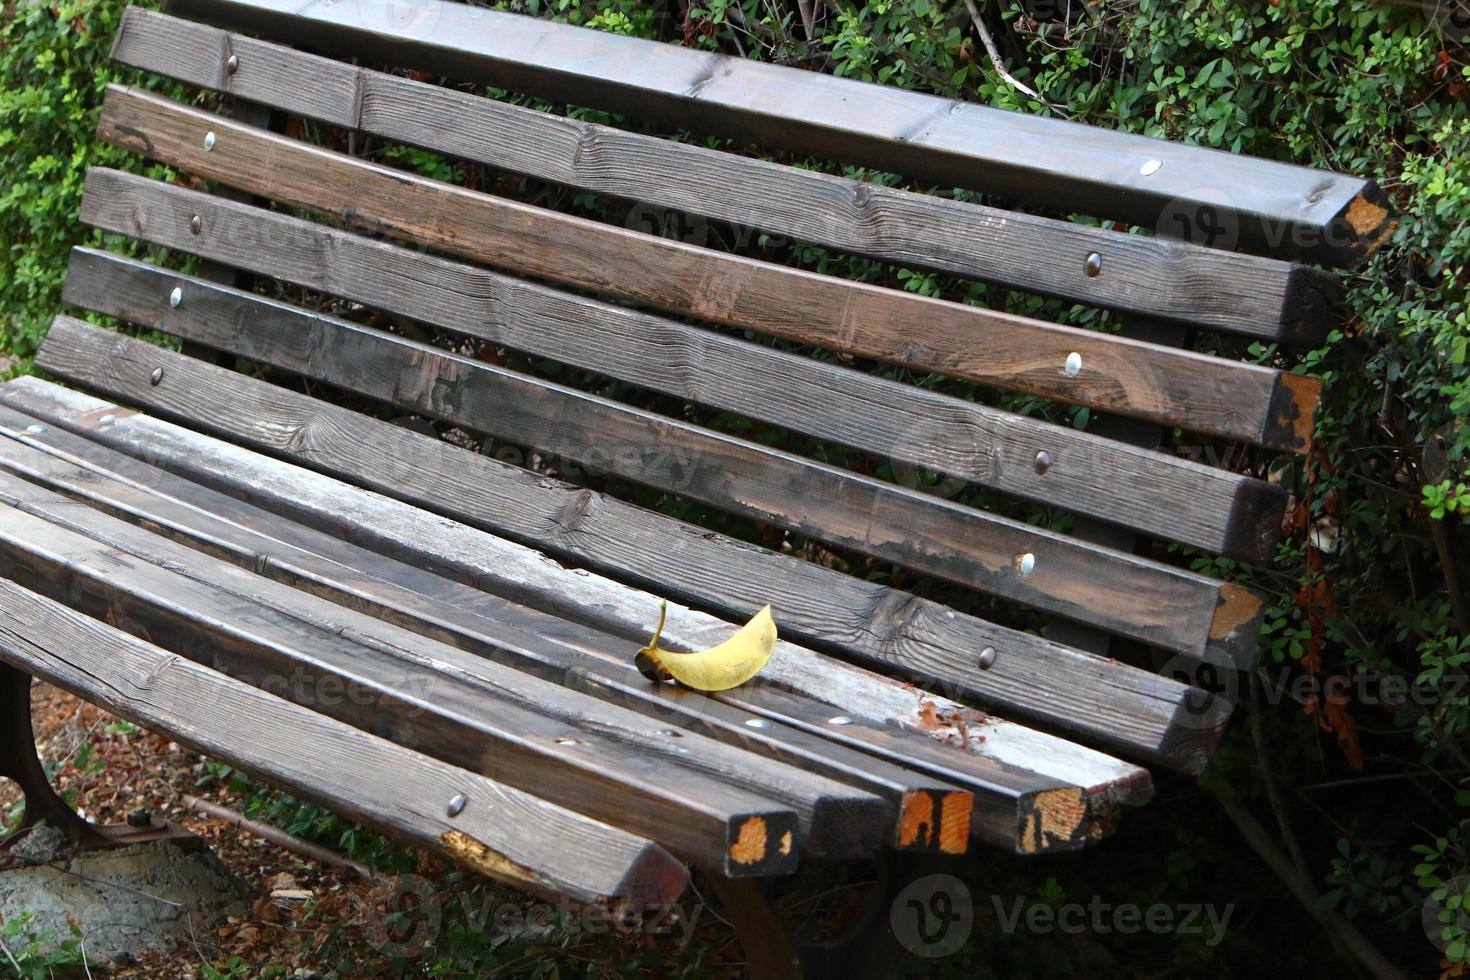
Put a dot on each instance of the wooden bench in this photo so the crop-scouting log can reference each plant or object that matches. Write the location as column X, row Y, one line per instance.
column 396, row 622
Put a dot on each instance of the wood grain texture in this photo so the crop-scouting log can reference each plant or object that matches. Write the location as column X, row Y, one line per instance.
column 1146, row 600
column 1277, row 207
column 1175, row 387
column 564, row 747
column 927, row 641
column 1152, row 275
column 543, row 848
column 399, row 530
column 934, row 812
column 573, row 655
column 1171, row 497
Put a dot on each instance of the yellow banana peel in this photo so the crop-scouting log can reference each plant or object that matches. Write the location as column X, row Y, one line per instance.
column 719, row 668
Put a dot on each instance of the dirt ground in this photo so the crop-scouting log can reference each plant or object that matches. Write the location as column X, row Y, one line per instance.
column 124, row 771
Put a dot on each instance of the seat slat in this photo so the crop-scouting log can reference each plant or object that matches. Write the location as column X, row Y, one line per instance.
column 1326, row 217
column 1164, row 495
column 571, row 654
column 1006, row 796
column 472, row 713
column 505, row 833
column 1135, row 597
column 1170, row 386
column 1222, row 290
column 1103, row 699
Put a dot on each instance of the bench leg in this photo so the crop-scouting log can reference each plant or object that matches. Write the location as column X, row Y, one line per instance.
column 868, row 950
column 19, row 761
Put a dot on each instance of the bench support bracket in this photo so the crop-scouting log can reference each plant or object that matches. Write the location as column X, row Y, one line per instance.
column 867, row 950
column 19, row 761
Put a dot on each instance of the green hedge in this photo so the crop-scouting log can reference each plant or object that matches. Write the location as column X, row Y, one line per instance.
column 1370, row 797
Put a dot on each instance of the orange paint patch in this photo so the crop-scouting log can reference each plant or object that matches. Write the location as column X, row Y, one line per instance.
column 954, row 823
column 1304, row 395
column 750, row 846
column 1237, row 606
column 916, row 823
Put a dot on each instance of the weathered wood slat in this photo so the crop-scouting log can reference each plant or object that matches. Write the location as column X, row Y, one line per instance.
column 503, row 832
column 1006, row 767
column 1174, row 387
column 933, row 815
column 1151, row 275
column 940, row 647
column 1170, row 497
column 507, row 725
column 1326, row 217
column 408, row 533
column 836, row 820
column 1148, row 601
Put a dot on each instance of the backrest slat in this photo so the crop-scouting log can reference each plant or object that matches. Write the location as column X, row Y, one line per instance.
column 1331, row 218
column 1145, row 600
column 1177, row 388
column 1102, row 700
column 1169, row 496
column 1241, row 293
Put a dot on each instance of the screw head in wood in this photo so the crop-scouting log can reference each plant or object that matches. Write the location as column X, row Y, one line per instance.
column 209, row 140
column 36, row 430
column 1093, row 265
column 457, row 805
column 1150, row 167
column 175, row 297
column 840, row 720
column 232, row 64
column 1043, row 461
column 987, row 658
column 757, row 723
column 155, row 377
column 1026, row 563
column 196, row 225
column 1073, row 366
column 107, row 420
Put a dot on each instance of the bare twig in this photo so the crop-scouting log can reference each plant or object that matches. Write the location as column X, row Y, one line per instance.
column 1260, row 841
column 278, row 837
column 6, row 950
column 994, row 53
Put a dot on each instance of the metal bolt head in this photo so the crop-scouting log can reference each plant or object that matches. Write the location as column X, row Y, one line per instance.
column 1043, row 461
column 175, row 297
column 209, row 140
column 1026, row 563
column 1150, row 167
column 196, row 225
column 155, row 377
column 987, row 658
column 232, row 64
column 757, row 723
column 1073, row 366
column 107, row 420
column 840, row 720
column 141, row 817
column 1093, row 265
column 36, row 430
column 457, row 805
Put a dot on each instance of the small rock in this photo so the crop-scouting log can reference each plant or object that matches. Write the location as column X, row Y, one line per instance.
column 41, row 843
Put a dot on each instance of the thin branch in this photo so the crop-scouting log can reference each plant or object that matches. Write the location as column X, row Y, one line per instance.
column 278, row 837
column 6, row 950
column 1260, row 841
column 994, row 53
